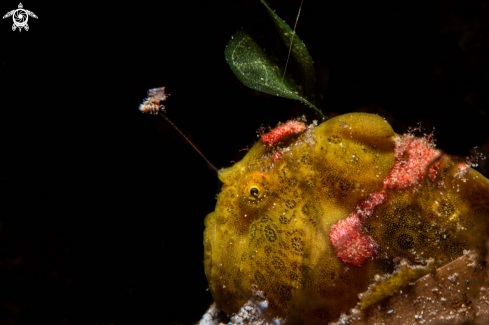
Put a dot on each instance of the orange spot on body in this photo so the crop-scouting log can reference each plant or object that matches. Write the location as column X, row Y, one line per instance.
column 461, row 167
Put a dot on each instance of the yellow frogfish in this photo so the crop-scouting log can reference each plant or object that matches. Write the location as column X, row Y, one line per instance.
column 312, row 215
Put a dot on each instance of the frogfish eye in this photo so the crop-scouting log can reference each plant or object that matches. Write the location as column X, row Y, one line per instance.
column 254, row 191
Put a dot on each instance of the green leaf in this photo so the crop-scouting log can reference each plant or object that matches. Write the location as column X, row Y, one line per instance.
column 258, row 66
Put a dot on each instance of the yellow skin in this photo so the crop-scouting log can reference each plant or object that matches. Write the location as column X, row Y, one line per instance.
column 270, row 229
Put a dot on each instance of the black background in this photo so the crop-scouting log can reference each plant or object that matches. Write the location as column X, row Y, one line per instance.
column 103, row 207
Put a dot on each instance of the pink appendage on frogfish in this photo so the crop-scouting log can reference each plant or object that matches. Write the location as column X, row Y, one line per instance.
column 283, row 131
column 350, row 244
column 413, row 157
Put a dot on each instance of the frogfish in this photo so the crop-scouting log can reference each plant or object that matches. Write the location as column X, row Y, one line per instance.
column 314, row 214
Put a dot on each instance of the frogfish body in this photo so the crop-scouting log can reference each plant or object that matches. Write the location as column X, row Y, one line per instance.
column 310, row 218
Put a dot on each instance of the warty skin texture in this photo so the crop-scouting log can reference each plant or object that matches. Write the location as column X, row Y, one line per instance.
column 271, row 226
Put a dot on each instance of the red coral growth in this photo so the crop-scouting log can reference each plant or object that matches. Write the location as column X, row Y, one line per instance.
column 351, row 245
column 413, row 156
column 277, row 155
column 434, row 169
column 284, row 130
